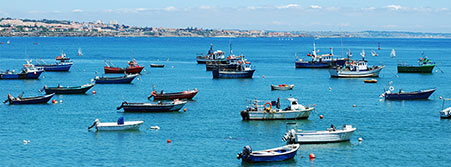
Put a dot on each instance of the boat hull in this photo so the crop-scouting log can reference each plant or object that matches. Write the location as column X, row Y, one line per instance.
column 233, row 74
column 68, row 90
column 337, row 73
column 446, row 113
column 157, row 65
column 115, row 80
column 276, row 87
column 409, row 95
column 132, row 70
column 55, row 67
column 28, row 75
column 271, row 155
column 33, row 100
column 203, row 60
column 277, row 115
column 415, row 69
column 146, row 107
column 334, row 136
column 179, row 95
column 323, row 64
column 113, row 126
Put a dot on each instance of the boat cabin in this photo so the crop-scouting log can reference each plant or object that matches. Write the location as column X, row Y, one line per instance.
column 294, row 105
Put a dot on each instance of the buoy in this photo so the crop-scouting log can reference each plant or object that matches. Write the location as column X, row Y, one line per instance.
column 354, row 105
column 314, row 105
column 330, row 89
column 54, row 101
column 184, row 110
column 26, row 141
column 61, row 101
column 263, row 76
column 169, row 141
column 155, row 127
column 311, row 156
column 321, row 117
column 137, row 79
column 93, row 92
column 360, row 139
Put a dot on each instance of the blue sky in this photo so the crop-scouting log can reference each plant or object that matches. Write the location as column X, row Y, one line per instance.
column 285, row 15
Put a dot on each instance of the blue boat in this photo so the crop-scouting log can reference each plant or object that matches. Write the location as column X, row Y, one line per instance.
column 242, row 71
column 59, row 66
column 127, row 78
column 68, row 89
column 320, row 61
column 29, row 100
column 401, row 95
column 175, row 105
column 29, row 72
column 271, row 155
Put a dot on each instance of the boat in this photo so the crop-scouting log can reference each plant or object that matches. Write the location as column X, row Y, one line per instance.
column 355, row 69
column 401, row 95
column 68, row 89
column 425, row 65
column 445, row 113
column 63, row 65
column 212, row 56
column 373, row 53
column 244, row 70
column 370, row 81
column 157, row 65
column 267, row 112
column 133, row 68
column 330, row 135
column 79, row 53
column 29, row 71
column 28, row 100
column 127, row 78
column 175, row 105
column 62, row 56
column 270, row 155
column 232, row 62
column 393, row 53
column 320, row 61
column 120, row 125
column 282, row 87
column 188, row 94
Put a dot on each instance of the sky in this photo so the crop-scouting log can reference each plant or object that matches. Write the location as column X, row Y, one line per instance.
column 277, row 15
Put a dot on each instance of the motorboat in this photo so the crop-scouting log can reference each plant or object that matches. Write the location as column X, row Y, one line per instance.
column 270, row 155
column 268, row 112
column 116, row 126
column 329, row 135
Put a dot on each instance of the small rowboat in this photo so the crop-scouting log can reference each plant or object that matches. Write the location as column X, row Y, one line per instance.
column 29, row 100
column 116, row 126
column 127, row 78
column 328, row 136
column 370, row 81
column 271, row 155
column 282, row 87
column 188, row 94
column 176, row 105
column 401, row 95
column 157, row 65
column 68, row 89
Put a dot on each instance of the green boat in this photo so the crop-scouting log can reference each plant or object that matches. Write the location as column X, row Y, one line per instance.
column 425, row 65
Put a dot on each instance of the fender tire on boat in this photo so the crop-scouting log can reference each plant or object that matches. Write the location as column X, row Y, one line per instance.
column 268, row 108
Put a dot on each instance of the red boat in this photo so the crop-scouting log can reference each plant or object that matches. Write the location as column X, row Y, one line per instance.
column 133, row 68
column 188, row 94
column 62, row 57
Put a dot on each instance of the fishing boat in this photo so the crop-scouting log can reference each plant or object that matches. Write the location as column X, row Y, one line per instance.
column 175, row 105
column 370, row 81
column 63, row 65
column 267, row 112
column 79, row 53
column 188, row 94
column 120, row 125
column 157, row 65
column 401, row 95
column 127, row 78
column 270, row 155
column 28, row 100
column 445, row 113
column 320, row 61
column 29, row 71
column 282, row 87
column 62, row 56
column 425, row 65
column 212, row 56
column 68, row 89
column 329, row 135
column 132, row 68
column 244, row 70
column 355, row 69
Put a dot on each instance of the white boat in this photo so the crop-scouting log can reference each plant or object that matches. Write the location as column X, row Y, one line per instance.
column 79, row 53
column 267, row 112
column 282, row 87
column 356, row 69
column 116, row 126
column 445, row 113
column 328, row 136
column 393, row 53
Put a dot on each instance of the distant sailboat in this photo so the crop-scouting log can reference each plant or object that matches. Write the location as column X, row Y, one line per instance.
column 8, row 42
column 373, row 53
column 79, row 52
column 393, row 53
column 378, row 46
column 363, row 54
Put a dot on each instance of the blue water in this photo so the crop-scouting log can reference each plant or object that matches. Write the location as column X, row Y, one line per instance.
column 211, row 132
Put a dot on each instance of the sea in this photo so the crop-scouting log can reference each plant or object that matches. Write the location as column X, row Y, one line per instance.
column 211, row 131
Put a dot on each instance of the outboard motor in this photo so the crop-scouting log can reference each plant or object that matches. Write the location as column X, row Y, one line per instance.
column 290, row 136
column 247, row 150
column 245, row 115
column 120, row 121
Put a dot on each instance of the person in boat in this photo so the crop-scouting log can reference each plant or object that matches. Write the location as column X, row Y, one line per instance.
column 255, row 105
column 332, row 126
column 278, row 103
column 400, row 90
column 161, row 92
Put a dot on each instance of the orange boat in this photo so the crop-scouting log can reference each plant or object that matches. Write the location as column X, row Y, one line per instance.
column 132, row 68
